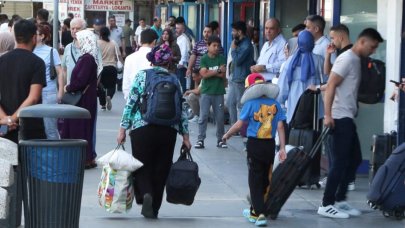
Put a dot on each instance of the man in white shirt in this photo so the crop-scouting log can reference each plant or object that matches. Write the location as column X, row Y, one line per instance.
column 272, row 53
column 137, row 61
column 184, row 44
column 116, row 34
column 142, row 26
column 316, row 25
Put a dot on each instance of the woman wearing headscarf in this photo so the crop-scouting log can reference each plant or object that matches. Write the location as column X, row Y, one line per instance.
column 84, row 78
column 169, row 39
column 7, row 42
column 152, row 144
column 304, row 70
column 52, row 93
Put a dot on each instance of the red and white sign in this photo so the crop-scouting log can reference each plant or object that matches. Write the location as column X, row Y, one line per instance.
column 75, row 6
column 109, row 5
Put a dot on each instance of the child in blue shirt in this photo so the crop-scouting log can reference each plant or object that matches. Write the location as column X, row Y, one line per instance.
column 264, row 116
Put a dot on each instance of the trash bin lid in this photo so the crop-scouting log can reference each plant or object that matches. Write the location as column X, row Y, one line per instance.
column 54, row 111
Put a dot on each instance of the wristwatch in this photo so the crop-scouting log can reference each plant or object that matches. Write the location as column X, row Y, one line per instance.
column 9, row 120
column 219, row 71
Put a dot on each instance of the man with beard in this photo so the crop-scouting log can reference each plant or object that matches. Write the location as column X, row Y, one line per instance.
column 242, row 59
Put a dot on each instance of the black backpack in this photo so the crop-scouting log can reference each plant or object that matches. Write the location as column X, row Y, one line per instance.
column 303, row 116
column 372, row 83
column 162, row 99
column 183, row 180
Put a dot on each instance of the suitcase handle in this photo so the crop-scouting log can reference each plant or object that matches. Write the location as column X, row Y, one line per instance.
column 318, row 142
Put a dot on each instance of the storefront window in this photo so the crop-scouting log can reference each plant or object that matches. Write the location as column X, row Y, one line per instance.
column 192, row 18
column 358, row 15
column 120, row 17
column 176, row 11
column 243, row 11
column 145, row 10
column 91, row 16
column 213, row 12
column 163, row 14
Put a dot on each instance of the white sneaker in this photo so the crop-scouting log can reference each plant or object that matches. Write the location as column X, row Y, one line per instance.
column 332, row 212
column 322, row 182
column 351, row 186
column 194, row 119
column 347, row 208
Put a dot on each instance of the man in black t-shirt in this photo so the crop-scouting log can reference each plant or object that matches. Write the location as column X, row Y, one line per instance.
column 22, row 77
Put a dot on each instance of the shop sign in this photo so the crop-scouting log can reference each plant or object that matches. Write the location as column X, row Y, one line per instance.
column 62, row 9
column 74, row 6
column 109, row 5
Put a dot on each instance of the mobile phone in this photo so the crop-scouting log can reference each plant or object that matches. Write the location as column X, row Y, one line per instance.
column 395, row 82
column 237, row 41
column 3, row 129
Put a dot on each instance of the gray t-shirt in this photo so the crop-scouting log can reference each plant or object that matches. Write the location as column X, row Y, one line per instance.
column 347, row 66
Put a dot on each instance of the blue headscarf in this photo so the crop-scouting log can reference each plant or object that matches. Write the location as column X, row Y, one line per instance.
column 303, row 57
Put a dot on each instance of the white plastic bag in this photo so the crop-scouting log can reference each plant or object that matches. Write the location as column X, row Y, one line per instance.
column 120, row 160
column 277, row 158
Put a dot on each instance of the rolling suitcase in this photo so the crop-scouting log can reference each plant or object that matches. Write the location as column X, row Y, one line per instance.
column 381, row 149
column 288, row 174
column 387, row 190
column 305, row 131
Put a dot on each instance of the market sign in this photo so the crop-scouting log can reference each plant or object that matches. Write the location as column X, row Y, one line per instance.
column 108, row 5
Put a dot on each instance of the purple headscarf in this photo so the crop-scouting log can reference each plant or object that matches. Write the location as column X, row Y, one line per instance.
column 303, row 57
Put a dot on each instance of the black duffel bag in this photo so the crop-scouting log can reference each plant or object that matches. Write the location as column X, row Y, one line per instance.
column 183, row 180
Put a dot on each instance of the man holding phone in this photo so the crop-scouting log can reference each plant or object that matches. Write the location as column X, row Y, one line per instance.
column 242, row 59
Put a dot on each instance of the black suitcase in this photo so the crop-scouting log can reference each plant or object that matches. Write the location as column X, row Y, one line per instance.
column 288, row 174
column 387, row 190
column 305, row 131
column 183, row 180
column 381, row 149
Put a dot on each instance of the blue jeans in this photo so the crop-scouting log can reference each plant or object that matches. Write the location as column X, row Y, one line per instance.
column 345, row 158
column 217, row 103
column 233, row 102
column 181, row 75
column 51, row 124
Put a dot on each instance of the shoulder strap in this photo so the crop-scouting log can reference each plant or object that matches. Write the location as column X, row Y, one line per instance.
column 116, row 51
column 51, row 59
column 71, row 53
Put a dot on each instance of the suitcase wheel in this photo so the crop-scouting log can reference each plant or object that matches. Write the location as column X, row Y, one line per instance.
column 399, row 215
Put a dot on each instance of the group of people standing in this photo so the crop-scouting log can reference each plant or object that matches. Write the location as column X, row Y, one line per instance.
column 91, row 60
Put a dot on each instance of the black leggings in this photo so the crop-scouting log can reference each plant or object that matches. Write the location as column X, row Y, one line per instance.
column 153, row 145
column 107, row 84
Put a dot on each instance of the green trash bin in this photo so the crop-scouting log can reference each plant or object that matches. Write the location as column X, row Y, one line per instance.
column 52, row 172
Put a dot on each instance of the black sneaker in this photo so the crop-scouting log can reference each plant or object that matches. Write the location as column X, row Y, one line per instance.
column 103, row 108
column 147, row 209
column 199, row 144
column 222, row 144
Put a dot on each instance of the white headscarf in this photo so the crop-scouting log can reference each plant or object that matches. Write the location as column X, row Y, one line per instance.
column 7, row 42
column 88, row 44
